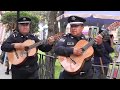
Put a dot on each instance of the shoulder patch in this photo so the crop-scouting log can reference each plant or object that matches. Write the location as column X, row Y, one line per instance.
column 14, row 34
column 33, row 35
column 64, row 35
column 83, row 37
column 62, row 40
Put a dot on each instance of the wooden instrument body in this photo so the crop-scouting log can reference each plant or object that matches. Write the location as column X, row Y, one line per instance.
column 72, row 67
column 21, row 54
column 18, row 56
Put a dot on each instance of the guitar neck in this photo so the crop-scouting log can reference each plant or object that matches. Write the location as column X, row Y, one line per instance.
column 56, row 36
column 104, row 33
column 37, row 44
column 88, row 45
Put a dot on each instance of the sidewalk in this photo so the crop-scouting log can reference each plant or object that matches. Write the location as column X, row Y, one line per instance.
column 2, row 72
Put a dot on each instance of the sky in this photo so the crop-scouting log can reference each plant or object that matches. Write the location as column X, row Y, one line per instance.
column 114, row 13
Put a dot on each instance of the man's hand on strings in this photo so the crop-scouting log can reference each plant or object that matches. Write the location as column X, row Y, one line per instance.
column 77, row 51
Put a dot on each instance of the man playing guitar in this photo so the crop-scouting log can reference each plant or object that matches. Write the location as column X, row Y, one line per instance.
column 64, row 47
column 29, row 68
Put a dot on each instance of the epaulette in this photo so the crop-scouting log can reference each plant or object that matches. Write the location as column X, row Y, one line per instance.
column 15, row 34
column 65, row 35
column 33, row 35
column 83, row 37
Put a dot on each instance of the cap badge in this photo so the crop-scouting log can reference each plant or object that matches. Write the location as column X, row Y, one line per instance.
column 24, row 18
column 73, row 18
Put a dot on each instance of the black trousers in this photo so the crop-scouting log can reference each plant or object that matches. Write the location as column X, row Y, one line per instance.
column 80, row 75
column 25, row 72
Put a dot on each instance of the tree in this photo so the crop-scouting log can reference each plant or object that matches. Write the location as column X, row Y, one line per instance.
column 9, row 18
column 49, row 69
column 43, row 15
column 52, row 29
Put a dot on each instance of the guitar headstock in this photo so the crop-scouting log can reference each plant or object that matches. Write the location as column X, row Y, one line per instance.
column 105, row 34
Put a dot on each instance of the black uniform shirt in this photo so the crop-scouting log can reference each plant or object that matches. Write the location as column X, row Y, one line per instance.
column 17, row 37
column 63, row 48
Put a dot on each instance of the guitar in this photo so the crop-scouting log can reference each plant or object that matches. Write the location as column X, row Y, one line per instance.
column 18, row 56
column 74, row 63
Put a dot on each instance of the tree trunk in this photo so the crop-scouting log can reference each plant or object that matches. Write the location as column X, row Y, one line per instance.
column 52, row 29
column 48, row 67
column 18, row 15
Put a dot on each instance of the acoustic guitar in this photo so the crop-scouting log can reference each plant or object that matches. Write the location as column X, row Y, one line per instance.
column 18, row 56
column 74, row 63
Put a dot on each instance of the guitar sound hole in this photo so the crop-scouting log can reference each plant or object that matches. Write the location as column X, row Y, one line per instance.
column 26, row 48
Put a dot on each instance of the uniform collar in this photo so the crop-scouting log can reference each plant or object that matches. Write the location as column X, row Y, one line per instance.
column 24, row 35
column 78, row 37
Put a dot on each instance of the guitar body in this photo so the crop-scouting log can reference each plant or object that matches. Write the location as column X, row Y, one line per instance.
column 72, row 67
column 18, row 56
column 21, row 54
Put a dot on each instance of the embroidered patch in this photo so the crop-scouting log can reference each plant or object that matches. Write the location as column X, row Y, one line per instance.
column 70, row 43
column 14, row 35
column 24, row 18
column 73, row 18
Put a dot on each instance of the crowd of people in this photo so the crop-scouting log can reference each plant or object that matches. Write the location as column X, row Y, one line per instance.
column 65, row 46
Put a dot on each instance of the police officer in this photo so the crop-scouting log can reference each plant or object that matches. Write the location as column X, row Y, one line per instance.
column 29, row 68
column 64, row 48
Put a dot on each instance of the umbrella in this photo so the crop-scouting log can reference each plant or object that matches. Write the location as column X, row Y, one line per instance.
column 93, row 18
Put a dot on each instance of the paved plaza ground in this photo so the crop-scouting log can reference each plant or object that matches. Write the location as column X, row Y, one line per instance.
column 2, row 72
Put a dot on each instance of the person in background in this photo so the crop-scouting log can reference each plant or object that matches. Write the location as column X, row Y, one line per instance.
column 102, row 58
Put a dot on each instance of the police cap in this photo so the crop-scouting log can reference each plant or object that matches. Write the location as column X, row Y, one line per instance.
column 76, row 20
column 24, row 20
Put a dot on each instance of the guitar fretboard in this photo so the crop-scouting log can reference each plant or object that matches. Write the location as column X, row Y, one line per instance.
column 88, row 45
column 37, row 44
column 56, row 36
column 104, row 33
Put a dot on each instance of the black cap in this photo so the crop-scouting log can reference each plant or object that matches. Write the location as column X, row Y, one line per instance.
column 24, row 20
column 76, row 20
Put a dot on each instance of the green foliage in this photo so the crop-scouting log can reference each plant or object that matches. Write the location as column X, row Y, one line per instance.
column 10, row 18
column 58, row 69
column 42, row 15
